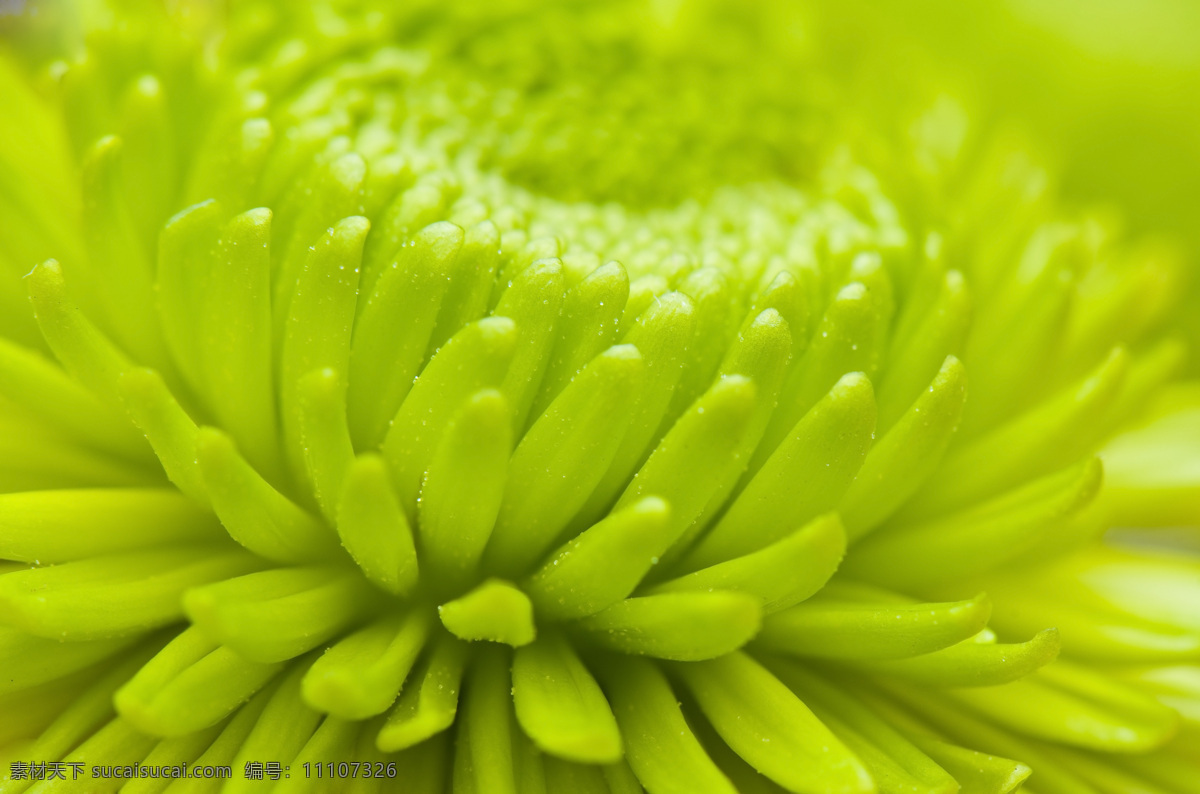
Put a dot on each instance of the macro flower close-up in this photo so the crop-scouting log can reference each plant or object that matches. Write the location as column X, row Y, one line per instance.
column 668, row 396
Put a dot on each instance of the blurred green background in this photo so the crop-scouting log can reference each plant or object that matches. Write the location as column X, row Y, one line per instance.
column 1108, row 91
column 1110, row 88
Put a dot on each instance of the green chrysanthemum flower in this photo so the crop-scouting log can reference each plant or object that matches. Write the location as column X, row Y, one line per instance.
column 551, row 399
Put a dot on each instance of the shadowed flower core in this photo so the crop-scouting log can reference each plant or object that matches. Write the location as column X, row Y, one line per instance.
column 561, row 398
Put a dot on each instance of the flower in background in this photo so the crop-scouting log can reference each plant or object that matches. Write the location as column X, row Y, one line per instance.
column 570, row 398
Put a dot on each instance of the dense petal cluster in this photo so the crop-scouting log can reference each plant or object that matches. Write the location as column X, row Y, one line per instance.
column 527, row 399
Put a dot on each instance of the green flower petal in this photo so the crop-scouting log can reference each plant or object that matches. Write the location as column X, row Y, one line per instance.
column 560, row 706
